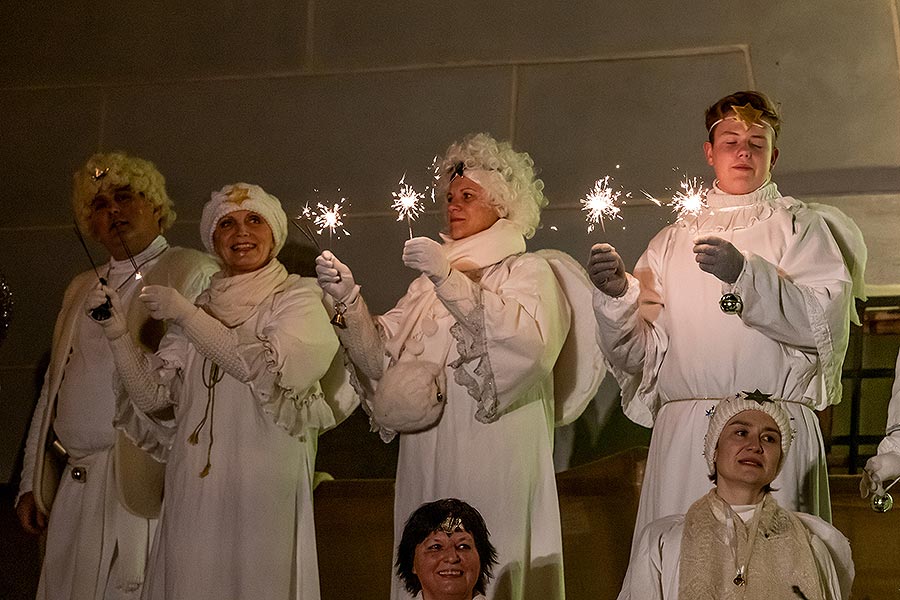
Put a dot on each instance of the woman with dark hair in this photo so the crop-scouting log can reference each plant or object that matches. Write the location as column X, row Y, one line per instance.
column 445, row 552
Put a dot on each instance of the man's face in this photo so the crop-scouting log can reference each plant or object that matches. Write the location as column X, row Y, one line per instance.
column 118, row 213
column 447, row 565
column 741, row 157
column 749, row 450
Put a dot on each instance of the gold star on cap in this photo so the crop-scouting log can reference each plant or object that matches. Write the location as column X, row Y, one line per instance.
column 748, row 115
column 758, row 397
column 238, row 195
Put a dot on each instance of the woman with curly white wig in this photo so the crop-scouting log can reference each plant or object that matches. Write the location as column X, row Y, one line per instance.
column 463, row 367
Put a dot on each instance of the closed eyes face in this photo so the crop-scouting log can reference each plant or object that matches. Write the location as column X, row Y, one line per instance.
column 447, row 565
column 741, row 157
column 244, row 242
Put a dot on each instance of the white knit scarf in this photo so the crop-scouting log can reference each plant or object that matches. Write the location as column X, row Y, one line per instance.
column 233, row 300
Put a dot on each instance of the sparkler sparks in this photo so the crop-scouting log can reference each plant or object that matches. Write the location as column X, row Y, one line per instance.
column 331, row 219
column 690, row 200
column 600, row 203
column 408, row 203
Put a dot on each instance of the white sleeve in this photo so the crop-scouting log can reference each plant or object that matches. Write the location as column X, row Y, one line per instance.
column 34, row 433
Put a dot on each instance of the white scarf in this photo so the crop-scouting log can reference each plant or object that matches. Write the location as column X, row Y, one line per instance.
column 233, row 300
column 477, row 251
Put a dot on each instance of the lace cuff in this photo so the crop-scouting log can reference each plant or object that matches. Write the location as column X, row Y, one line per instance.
column 363, row 342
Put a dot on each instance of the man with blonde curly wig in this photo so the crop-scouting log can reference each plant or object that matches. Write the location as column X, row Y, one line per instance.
column 476, row 363
column 98, row 511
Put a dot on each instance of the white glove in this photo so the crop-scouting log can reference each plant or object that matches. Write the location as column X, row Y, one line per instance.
column 166, row 303
column 335, row 278
column 115, row 326
column 878, row 470
column 607, row 270
column 718, row 257
column 426, row 256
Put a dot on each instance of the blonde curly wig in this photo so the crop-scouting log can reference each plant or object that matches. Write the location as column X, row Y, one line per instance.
column 118, row 169
column 511, row 184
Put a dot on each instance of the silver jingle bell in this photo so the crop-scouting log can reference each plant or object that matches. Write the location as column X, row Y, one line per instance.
column 883, row 503
column 731, row 304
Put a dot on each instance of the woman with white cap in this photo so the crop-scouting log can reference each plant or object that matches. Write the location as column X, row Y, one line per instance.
column 464, row 365
column 736, row 541
column 241, row 370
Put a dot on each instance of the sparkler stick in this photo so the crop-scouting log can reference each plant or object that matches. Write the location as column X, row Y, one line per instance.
column 307, row 217
column 137, row 272
column 407, row 203
column 600, row 203
column 104, row 311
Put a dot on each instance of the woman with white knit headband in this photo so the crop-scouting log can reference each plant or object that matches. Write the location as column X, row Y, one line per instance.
column 241, row 370
column 464, row 366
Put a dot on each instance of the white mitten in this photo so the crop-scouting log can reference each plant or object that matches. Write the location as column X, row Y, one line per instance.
column 410, row 397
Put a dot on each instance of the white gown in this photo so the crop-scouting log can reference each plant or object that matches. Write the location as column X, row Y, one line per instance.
column 246, row 529
column 673, row 351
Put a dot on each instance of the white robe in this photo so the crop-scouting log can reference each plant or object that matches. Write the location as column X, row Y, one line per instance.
column 493, row 446
column 654, row 567
column 246, row 529
column 88, row 524
column 671, row 347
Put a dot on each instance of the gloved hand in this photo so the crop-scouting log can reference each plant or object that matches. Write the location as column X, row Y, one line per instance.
column 879, row 469
column 426, row 256
column 335, row 278
column 115, row 326
column 718, row 257
column 165, row 303
column 607, row 270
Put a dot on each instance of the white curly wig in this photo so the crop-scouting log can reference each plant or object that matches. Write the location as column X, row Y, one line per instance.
column 118, row 169
column 511, row 184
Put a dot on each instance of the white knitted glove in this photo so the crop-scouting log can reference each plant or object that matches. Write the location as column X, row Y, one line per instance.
column 335, row 278
column 607, row 270
column 115, row 326
column 216, row 342
column 362, row 341
column 165, row 303
column 134, row 372
column 426, row 256
column 718, row 257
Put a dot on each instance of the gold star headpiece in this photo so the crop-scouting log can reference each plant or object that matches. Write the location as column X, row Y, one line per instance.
column 451, row 525
column 746, row 114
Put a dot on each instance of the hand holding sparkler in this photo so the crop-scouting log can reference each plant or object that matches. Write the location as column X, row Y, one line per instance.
column 426, row 256
column 607, row 270
column 335, row 278
column 165, row 303
column 879, row 469
column 114, row 326
column 718, row 257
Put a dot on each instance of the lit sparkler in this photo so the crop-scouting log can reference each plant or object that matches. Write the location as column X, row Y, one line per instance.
column 407, row 203
column 306, row 217
column 690, row 200
column 331, row 218
column 601, row 203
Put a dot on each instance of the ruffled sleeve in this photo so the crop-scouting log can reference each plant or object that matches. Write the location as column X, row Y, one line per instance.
column 508, row 337
column 288, row 349
column 833, row 557
column 632, row 344
column 891, row 441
